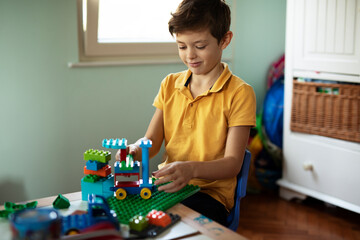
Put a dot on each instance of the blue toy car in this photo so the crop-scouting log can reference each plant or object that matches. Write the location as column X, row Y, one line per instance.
column 98, row 212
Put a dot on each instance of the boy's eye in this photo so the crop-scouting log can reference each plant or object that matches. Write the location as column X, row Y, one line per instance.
column 200, row 47
column 182, row 47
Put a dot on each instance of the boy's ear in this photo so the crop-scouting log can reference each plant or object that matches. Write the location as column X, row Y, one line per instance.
column 226, row 40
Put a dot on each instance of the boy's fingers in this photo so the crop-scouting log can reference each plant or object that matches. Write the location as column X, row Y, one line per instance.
column 171, row 187
column 132, row 149
column 162, row 172
column 165, row 187
column 163, row 180
column 157, row 174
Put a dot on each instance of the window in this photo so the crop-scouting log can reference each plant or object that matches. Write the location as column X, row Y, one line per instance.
column 123, row 30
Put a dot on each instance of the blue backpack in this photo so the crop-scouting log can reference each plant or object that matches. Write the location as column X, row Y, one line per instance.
column 273, row 110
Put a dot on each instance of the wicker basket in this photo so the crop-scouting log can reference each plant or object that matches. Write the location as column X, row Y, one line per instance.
column 331, row 110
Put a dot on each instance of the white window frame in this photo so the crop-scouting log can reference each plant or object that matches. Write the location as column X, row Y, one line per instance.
column 91, row 50
column 92, row 53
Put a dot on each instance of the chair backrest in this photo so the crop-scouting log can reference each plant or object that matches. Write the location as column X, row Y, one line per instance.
column 240, row 192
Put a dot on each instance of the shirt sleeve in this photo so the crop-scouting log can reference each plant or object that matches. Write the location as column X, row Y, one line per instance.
column 243, row 107
column 159, row 99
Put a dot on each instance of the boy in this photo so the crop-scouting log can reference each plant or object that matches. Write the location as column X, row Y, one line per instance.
column 204, row 114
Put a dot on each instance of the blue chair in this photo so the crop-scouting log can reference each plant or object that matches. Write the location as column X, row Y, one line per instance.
column 240, row 192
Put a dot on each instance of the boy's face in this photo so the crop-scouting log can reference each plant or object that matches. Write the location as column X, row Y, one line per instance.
column 199, row 50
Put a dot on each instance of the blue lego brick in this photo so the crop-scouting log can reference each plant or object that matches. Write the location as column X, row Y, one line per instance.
column 146, row 185
column 101, row 187
column 89, row 188
column 115, row 143
column 145, row 145
column 107, row 184
column 94, row 165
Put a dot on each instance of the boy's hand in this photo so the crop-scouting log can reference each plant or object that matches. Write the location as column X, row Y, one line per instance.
column 131, row 149
column 180, row 173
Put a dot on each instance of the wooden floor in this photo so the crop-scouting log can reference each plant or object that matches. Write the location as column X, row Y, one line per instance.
column 267, row 217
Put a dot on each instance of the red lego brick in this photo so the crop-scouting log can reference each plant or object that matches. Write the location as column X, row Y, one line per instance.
column 158, row 218
column 103, row 172
column 127, row 184
column 127, row 174
column 123, row 155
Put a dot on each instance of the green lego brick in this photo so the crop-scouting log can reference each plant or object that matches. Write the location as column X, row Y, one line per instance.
column 92, row 178
column 31, row 205
column 134, row 205
column 97, row 155
column 138, row 223
column 13, row 207
column 4, row 213
column 61, row 202
column 130, row 162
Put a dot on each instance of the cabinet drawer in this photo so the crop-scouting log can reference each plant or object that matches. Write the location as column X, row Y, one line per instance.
column 325, row 168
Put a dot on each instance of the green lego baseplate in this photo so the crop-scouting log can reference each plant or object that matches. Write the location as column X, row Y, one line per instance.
column 134, row 205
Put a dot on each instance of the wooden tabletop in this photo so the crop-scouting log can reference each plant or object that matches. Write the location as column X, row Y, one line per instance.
column 190, row 217
column 203, row 224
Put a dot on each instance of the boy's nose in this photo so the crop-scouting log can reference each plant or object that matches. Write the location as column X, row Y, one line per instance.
column 191, row 54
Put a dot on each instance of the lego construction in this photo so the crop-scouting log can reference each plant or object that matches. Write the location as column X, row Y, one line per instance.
column 129, row 199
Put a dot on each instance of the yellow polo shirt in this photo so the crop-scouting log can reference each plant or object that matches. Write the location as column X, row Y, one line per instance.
column 196, row 129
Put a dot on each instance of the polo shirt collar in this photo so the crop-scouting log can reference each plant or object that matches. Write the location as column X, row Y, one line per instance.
column 218, row 85
column 224, row 77
column 181, row 84
column 183, row 79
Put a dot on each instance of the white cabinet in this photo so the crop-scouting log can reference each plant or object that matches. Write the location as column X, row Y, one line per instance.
column 327, row 36
column 322, row 42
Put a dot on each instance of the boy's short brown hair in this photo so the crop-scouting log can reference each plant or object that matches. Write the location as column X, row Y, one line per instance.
column 201, row 14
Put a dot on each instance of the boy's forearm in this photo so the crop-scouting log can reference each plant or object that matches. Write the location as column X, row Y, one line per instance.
column 230, row 165
column 223, row 168
column 155, row 149
column 155, row 132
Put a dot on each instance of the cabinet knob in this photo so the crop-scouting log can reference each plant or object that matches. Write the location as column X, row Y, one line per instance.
column 308, row 166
